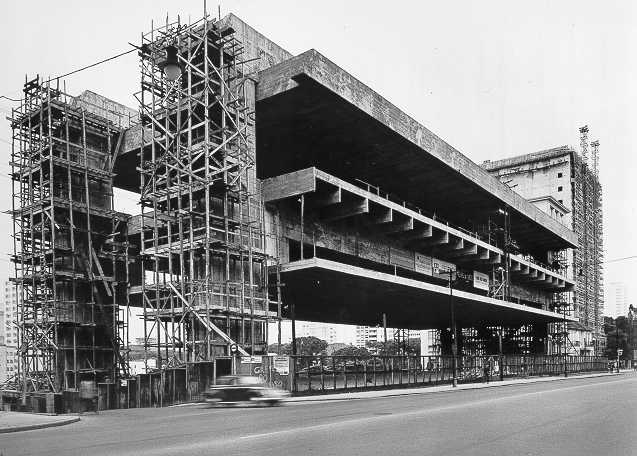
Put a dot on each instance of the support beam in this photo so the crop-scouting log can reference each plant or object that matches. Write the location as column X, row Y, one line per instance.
column 344, row 210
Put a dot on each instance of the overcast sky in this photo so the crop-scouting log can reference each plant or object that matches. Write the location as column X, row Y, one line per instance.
column 492, row 78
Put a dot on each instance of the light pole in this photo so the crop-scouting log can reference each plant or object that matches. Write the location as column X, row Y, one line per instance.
column 454, row 344
column 631, row 347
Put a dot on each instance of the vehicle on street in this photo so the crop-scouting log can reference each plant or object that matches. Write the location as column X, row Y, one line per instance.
column 243, row 390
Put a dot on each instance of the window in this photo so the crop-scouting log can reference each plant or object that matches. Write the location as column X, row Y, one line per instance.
column 559, row 189
column 559, row 174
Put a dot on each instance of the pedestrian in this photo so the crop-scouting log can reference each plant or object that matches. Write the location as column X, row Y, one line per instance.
column 487, row 369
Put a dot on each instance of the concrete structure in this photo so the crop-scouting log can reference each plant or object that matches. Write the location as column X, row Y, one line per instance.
column 563, row 185
column 9, row 305
column 617, row 302
column 366, row 335
column 271, row 186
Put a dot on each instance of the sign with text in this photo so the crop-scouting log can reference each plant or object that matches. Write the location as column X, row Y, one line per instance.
column 282, row 364
column 480, row 281
column 423, row 264
column 441, row 268
column 251, row 359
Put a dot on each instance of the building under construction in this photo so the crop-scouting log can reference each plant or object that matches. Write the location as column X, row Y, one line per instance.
column 565, row 185
column 270, row 186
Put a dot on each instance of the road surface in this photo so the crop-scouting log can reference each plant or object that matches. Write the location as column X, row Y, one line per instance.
column 592, row 416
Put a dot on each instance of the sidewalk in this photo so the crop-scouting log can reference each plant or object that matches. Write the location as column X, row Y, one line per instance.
column 442, row 388
column 17, row 421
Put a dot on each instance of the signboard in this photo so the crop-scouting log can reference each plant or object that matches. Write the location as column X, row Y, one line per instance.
column 441, row 268
column 251, row 359
column 480, row 281
column 402, row 258
column 282, row 364
column 423, row 264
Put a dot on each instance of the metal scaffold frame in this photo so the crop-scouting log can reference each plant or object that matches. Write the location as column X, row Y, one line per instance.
column 70, row 246
column 202, row 238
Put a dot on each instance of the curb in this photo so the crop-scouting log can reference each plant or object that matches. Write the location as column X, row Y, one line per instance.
column 428, row 390
column 31, row 427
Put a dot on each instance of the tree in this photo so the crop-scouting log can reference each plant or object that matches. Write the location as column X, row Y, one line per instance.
column 393, row 348
column 310, row 346
column 285, row 349
column 351, row 350
column 617, row 337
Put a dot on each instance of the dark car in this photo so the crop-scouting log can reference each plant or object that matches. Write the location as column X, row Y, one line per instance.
column 243, row 389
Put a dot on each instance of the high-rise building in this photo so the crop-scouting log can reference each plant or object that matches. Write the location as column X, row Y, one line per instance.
column 8, row 331
column 617, row 304
column 561, row 183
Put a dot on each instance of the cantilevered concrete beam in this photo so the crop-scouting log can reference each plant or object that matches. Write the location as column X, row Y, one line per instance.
column 344, row 210
column 327, row 198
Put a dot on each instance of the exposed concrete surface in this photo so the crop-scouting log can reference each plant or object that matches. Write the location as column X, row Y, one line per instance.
column 17, row 421
column 285, row 76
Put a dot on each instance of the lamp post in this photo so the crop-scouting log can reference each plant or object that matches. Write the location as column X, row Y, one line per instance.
column 631, row 347
column 171, row 66
column 454, row 341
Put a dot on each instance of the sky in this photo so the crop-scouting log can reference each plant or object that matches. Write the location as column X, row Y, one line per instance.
column 492, row 78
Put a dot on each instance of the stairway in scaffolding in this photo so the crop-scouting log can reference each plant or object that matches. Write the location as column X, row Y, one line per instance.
column 207, row 323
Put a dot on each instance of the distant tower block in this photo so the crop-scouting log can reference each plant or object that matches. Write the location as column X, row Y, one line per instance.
column 595, row 146
column 583, row 131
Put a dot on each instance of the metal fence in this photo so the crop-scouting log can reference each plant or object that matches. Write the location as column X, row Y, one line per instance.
column 315, row 374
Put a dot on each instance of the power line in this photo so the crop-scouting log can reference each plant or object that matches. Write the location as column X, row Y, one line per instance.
column 617, row 259
column 108, row 59
column 92, row 65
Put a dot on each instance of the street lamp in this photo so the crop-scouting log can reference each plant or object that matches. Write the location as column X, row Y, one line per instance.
column 631, row 347
column 171, row 66
column 454, row 341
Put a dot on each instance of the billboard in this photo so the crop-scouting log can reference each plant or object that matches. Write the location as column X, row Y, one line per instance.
column 423, row 264
column 480, row 281
column 440, row 268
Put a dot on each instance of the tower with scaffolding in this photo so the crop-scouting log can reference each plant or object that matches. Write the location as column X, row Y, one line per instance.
column 71, row 249
column 203, row 282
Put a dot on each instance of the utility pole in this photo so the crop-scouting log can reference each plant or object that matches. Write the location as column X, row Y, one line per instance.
column 501, row 365
column 454, row 339
column 385, row 329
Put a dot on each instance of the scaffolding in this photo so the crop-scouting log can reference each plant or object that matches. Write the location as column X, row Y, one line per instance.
column 204, row 266
column 588, row 259
column 70, row 246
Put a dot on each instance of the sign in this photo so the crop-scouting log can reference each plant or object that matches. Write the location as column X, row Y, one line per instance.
column 282, row 364
column 441, row 268
column 251, row 359
column 620, row 351
column 423, row 264
column 480, row 281
column 233, row 348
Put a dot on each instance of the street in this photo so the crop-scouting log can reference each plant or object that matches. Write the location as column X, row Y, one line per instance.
column 587, row 416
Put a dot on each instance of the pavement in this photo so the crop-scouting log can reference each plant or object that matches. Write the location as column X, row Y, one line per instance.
column 581, row 416
column 17, row 421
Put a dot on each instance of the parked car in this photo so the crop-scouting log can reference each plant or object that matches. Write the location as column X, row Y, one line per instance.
column 243, row 389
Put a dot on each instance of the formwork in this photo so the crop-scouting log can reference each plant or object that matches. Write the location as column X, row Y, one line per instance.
column 71, row 250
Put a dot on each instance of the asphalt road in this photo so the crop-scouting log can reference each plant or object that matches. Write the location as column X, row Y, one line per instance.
column 595, row 416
